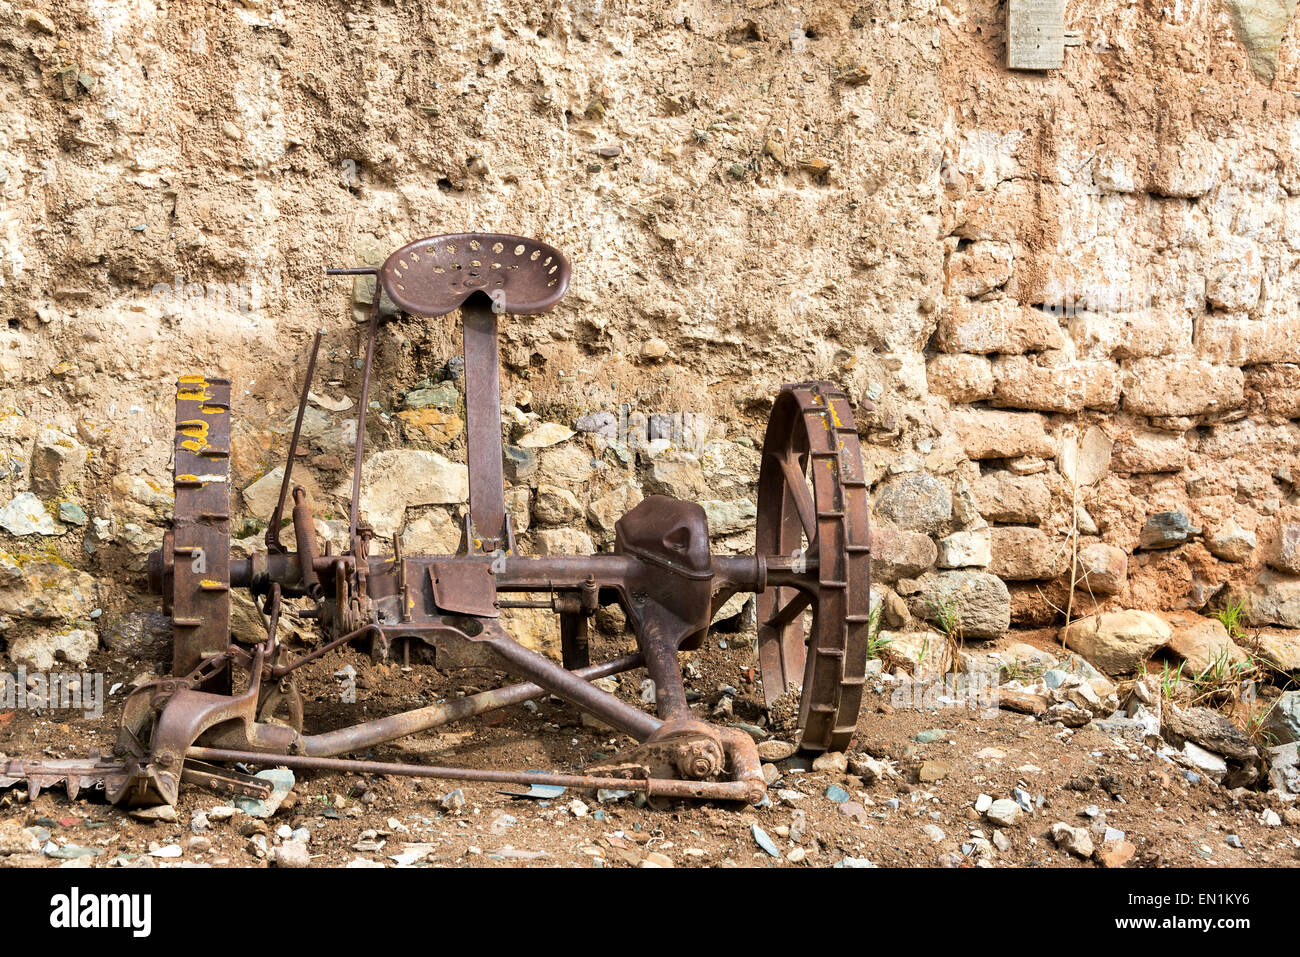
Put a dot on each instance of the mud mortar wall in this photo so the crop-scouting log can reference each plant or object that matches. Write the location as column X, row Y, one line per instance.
column 1070, row 296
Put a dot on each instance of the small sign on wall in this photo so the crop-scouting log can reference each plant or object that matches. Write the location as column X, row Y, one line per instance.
column 1035, row 34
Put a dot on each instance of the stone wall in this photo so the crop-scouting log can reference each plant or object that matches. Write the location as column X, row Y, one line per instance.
column 1070, row 296
column 1120, row 315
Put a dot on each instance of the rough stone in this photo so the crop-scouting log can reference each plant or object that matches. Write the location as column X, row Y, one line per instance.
column 727, row 518
column 993, row 434
column 1181, row 387
column 1115, row 855
column 40, row 652
column 1101, row 569
column 731, row 469
column 568, row 464
column 1281, row 649
column 520, row 464
column 1261, row 25
column 396, row 479
column 1023, row 383
column 1188, row 171
column 1230, row 542
column 433, row 533
column 1202, row 642
column 969, row 549
column 442, row 395
column 676, row 476
column 1003, row 812
column 1026, row 554
column 57, row 461
column 15, row 839
column 1140, row 453
column 260, row 496
column 1130, row 335
column 519, row 508
column 920, row 654
column 1207, row 728
column 537, row 629
column 555, row 505
column 831, row 762
column 562, row 541
column 899, row 553
column 1281, row 546
column 430, row 425
column 916, row 501
column 292, row 854
column 998, row 326
column 1284, row 767
column 1273, row 599
column 26, row 515
column 1118, row 642
column 961, row 378
column 1211, row 764
column 979, row 268
column 1283, row 720
column 1001, row 496
column 775, row 750
column 70, row 513
column 545, row 435
column 1166, row 530
column 43, row 588
column 613, row 505
column 1076, row 840
column 1273, row 391
column 979, row 600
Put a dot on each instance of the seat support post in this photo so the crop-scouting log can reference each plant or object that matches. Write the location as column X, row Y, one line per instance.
column 487, row 496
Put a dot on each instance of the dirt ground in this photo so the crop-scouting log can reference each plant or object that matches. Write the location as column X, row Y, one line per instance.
column 1082, row 778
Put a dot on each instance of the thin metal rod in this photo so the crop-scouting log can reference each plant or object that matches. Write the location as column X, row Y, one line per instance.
column 309, row 763
column 279, row 671
column 273, row 530
column 706, row 790
column 361, row 419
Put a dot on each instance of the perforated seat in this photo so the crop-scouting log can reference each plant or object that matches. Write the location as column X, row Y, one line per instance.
column 434, row 276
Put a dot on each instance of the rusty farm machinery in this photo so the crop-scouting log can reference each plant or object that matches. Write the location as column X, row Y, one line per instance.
column 228, row 705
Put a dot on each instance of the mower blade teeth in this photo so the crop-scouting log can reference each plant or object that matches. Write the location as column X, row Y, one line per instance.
column 201, row 580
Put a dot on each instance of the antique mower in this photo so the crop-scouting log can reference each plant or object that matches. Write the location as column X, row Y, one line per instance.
column 230, row 704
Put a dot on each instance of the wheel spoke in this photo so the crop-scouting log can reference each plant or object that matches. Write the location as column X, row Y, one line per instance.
column 792, row 609
column 803, row 502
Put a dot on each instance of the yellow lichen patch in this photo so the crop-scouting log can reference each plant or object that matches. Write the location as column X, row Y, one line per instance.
column 196, row 434
column 835, row 416
column 187, row 478
column 25, row 559
column 212, row 410
column 210, row 583
column 193, row 388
